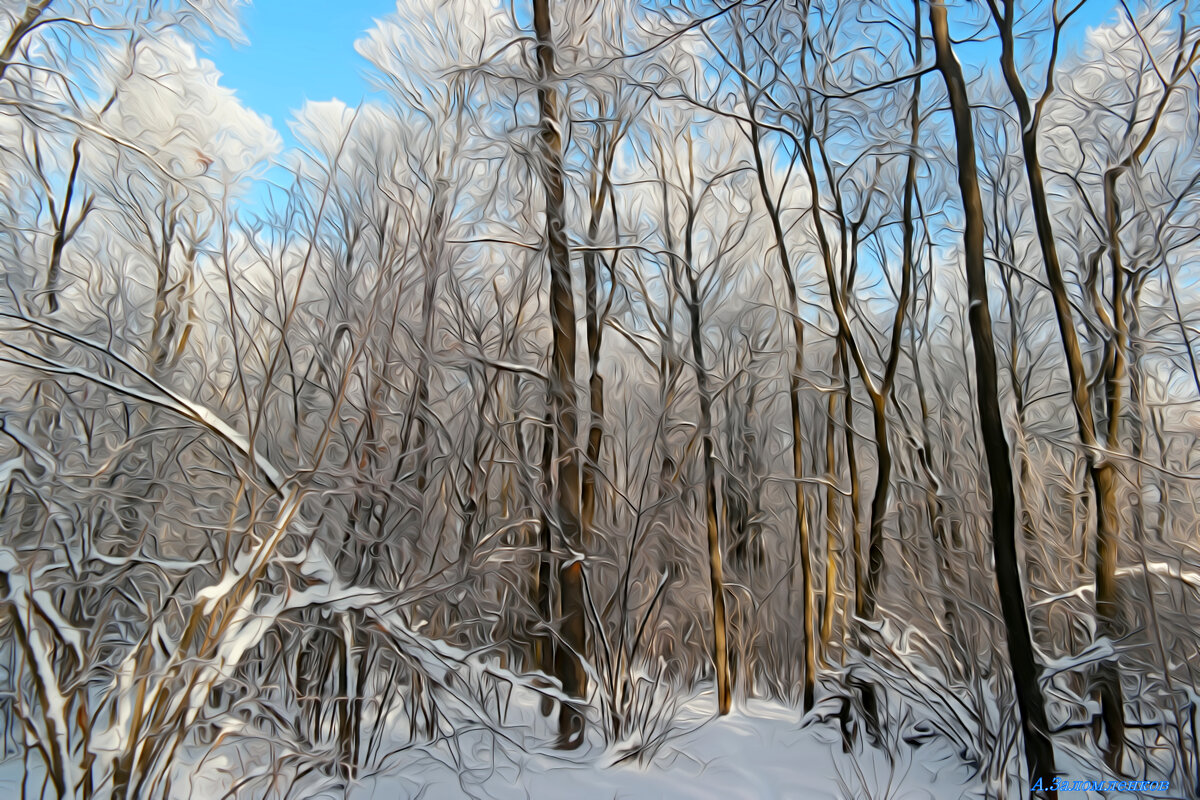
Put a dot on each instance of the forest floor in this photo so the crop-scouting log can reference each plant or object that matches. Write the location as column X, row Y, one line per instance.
column 763, row 750
column 758, row 752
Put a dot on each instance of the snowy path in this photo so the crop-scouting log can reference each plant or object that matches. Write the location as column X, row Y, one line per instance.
column 758, row 752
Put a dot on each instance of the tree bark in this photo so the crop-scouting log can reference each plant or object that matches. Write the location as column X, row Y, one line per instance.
column 832, row 521
column 715, row 573
column 564, row 473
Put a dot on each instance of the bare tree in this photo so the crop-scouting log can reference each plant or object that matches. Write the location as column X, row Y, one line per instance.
column 1039, row 751
column 563, row 476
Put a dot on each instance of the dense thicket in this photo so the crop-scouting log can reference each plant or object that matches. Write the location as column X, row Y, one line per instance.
column 617, row 352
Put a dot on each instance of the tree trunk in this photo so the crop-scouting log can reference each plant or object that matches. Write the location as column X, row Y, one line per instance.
column 1108, row 677
column 715, row 572
column 716, row 577
column 1101, row 472
column 595, row 332
column 883, row 475
column 832, row 518
column 564, row 477
column 785, row 267
column 1039, row 750
column 856, row 562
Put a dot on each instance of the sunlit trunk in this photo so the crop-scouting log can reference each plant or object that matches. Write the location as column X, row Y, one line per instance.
column 832, row 522
column 720, row 646
column 793, row 308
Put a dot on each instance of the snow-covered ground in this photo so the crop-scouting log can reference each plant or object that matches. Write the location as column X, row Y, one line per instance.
column 761, row 750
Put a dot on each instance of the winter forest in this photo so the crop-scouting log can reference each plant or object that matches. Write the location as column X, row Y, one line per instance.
column 704, row 398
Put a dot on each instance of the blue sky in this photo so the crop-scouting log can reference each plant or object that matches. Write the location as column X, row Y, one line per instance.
column 299, row 50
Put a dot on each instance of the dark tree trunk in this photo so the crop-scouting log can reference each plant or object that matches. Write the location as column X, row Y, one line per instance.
column 1039, row 750
column 564, row 472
